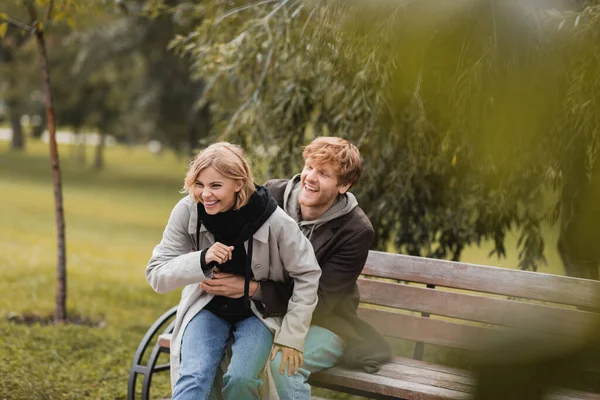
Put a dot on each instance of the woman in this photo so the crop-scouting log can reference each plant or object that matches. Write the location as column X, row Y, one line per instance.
column 228, row 221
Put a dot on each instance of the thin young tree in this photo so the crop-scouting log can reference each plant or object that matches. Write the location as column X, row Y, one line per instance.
column 37, row 16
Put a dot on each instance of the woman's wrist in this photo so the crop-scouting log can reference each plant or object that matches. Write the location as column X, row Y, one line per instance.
column 254, row 287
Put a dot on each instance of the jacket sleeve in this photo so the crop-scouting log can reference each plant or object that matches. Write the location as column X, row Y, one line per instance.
column 342, row 269
column 175, row 263
column 339, row 274
column 299, row 260
column 274, row 296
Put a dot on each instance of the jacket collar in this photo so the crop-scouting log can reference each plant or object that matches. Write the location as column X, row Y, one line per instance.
column 262, row 234
column 325, row 233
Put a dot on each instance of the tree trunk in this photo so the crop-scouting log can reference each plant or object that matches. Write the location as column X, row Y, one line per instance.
column 99, row 154
column 60, row 312
column 17, row 143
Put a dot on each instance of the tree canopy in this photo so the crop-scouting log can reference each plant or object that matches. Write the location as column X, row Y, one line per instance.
column 474, row 118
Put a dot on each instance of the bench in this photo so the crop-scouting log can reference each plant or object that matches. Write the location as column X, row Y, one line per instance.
column 433, row 304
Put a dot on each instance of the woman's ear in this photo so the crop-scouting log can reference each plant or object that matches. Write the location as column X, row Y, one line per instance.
column 238, row 187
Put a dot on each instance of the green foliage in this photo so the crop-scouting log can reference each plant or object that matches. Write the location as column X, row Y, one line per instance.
column 111, row 72
column 467, row 114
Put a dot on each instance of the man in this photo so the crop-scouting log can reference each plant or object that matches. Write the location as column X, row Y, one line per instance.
column 341, row 235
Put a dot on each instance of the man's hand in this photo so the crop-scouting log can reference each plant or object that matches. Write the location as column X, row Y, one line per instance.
column 227, row 285
column 292, row 357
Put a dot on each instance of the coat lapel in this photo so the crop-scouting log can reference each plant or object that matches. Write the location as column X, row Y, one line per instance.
column 324, row 234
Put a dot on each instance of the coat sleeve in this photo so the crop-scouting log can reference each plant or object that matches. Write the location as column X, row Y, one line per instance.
column 339, row 274
column 175, row 263
column 299, row 260
column 342, row 269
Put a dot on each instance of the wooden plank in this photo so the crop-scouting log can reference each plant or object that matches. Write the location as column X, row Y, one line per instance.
column 430, row 366
column 165, row 340
column 433, row 376
column 425, row 376
column 568, row 394
column 502, row 281
column 455, row 335
column 427, row 330
column 478, row 308
column 339, row 378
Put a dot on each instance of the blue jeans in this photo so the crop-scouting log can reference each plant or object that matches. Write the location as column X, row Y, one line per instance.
column 322, row 350
column 202, row 348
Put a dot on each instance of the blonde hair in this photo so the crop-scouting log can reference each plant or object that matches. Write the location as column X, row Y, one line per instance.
column 343, row 156
column 228, row 160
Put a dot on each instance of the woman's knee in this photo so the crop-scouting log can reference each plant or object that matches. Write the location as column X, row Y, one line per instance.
column 240, row 380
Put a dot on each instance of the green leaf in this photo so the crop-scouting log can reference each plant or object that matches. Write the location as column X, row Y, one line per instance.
column 3, row 28
column 3, row 16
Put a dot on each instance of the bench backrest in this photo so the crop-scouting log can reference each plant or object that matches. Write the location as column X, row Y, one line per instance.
column 462, row 306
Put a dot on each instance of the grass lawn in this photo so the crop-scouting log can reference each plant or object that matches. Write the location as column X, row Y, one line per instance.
column 114, row 218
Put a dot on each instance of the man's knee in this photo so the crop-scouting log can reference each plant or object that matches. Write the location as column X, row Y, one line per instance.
column 285, row 379
column 276, row 367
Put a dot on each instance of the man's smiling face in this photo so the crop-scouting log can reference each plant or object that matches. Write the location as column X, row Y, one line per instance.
column 318, row 187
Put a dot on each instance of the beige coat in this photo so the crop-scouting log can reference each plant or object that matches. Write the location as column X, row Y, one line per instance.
column 280, row 252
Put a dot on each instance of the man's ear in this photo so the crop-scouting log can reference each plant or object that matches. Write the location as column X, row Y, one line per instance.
column 344, row 188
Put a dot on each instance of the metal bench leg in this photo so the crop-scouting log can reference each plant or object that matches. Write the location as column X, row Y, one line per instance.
column 150, row 368
column 156, row 351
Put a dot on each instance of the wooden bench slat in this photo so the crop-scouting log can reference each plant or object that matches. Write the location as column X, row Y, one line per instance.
column 164, row 340
column 413, row 390
column 426, row 330
column 474, row 307
column 502, row 281
column 382, row 385
column 420, row 368
column 451, row 334
column 427, row 377
column 568, row 394
column 430, row 366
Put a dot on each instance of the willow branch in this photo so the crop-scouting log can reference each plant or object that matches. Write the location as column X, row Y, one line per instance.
column 49, row 10
column 239, row 9
column 32, row 14
column 254, row 96
column 19, row 24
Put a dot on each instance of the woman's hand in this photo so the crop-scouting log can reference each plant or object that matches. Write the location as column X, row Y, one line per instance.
column 292, row 357
column 218, row 252
column 227, row 285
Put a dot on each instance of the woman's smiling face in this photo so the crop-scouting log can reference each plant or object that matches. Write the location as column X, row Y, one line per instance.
column 215, row 191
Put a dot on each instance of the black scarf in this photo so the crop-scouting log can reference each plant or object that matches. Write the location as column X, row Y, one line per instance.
column 234, row 227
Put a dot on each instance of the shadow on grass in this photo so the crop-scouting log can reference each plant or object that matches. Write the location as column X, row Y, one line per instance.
column 39, row 319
